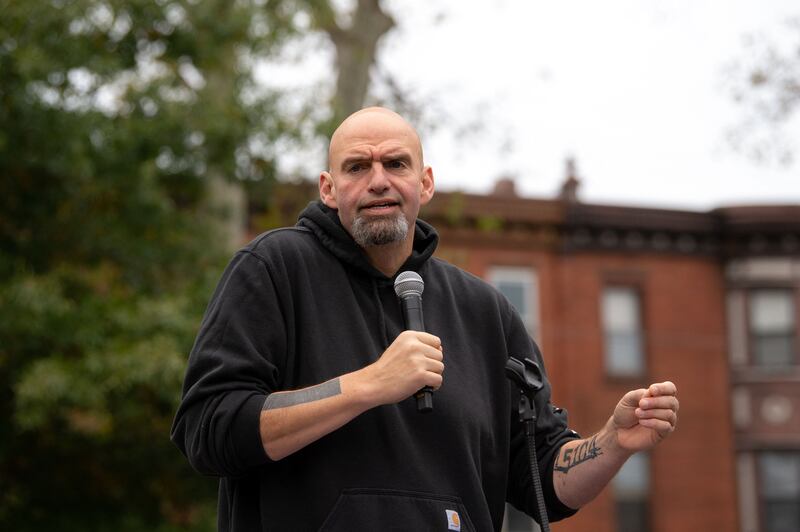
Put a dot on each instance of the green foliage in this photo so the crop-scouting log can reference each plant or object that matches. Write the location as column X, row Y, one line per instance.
column 489, row 224
column 114, row 117
column 97, row 381
column 454, row 212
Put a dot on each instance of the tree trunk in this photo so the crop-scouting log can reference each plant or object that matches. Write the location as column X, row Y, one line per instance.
column 356, row 47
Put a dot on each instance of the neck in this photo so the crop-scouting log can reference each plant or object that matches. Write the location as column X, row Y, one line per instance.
column 389, row 257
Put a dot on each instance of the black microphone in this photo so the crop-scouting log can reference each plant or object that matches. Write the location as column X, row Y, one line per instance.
column 409, row 286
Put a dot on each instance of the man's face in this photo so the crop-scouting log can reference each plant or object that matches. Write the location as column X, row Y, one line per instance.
column 376, row 179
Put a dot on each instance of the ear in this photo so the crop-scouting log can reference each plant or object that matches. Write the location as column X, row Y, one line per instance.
column 426, row 190
column 327, row 190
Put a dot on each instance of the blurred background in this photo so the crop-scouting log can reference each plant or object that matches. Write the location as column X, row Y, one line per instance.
column 624, row 172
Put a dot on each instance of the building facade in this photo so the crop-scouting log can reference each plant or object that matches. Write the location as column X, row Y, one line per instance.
column 762, row 277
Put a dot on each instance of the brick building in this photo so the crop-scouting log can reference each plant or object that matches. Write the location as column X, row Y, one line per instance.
column 618, row 297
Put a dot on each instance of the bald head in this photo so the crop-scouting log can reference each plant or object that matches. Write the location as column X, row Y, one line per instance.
column 374, row 122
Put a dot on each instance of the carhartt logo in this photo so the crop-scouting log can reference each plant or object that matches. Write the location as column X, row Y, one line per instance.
column 453, row 521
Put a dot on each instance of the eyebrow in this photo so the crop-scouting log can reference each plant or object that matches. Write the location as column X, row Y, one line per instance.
column 360, row 158
column 399, row 155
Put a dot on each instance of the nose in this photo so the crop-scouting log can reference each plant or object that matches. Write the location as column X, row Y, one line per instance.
column 378, row 180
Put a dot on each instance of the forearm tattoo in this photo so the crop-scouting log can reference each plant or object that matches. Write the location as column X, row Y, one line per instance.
column 306, row 395
column 573, row 456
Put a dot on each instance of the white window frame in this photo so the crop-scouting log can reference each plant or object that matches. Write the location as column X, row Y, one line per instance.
column 614, row 366
column 527, row 278
column 757, row 327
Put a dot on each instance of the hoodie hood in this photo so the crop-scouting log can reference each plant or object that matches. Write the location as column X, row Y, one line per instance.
column 325, row 224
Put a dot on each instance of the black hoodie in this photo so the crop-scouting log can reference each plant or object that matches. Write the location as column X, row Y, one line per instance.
column 299, row 306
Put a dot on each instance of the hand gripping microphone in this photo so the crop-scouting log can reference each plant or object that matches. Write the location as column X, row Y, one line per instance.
column 409, row 286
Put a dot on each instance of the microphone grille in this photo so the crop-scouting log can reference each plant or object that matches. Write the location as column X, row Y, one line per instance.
column 408, row 283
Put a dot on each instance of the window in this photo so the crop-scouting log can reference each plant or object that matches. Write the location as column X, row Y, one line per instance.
column 521, row 288
column 772, row 328
column 779, row 476
column 631, row 493
column 621, row 314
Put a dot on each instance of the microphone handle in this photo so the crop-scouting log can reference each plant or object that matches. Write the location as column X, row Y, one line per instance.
column 412, row 314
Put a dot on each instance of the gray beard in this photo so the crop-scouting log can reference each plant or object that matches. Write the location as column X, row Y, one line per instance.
column 368, row 232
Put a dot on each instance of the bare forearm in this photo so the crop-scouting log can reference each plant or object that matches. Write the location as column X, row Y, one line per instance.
column 641, row 420
column 292, row 420
column 584, row 467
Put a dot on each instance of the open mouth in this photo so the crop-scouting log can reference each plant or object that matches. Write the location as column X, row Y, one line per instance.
column 378, row 206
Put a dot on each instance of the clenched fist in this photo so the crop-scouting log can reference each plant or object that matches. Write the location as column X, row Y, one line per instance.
column 414, row 360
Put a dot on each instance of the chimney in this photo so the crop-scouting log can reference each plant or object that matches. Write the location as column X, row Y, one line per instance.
column 504, row 187
column 569, row 189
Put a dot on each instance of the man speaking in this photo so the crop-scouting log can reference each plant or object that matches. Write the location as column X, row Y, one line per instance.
column 299, row 392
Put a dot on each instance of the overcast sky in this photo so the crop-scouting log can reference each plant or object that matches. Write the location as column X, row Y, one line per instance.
column 632, row 89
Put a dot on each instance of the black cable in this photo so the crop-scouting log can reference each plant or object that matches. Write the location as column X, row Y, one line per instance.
column 544, row 523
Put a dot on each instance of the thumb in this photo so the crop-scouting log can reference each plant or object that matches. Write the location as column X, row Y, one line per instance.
column 632, row 398
column 625, row 412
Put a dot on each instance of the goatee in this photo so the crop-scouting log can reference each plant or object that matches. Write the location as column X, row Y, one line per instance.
column 379, row 231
